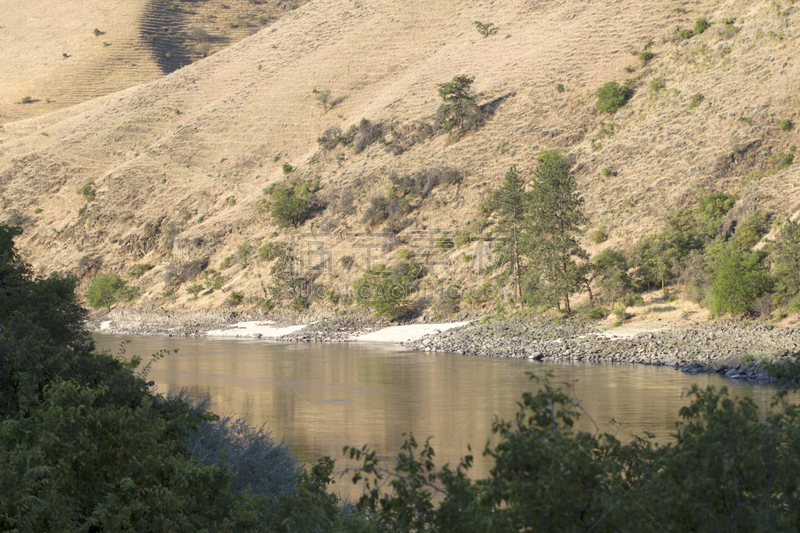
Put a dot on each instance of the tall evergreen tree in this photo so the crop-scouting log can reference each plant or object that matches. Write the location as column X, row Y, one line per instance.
column 510, row 203
column 553, row 224
column 459, row 109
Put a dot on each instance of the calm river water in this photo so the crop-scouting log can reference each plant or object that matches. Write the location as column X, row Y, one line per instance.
column 321, row 397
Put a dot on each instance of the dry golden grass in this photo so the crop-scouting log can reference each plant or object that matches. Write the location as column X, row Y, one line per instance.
column 240, row 107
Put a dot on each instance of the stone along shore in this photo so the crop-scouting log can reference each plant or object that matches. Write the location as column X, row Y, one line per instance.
column 736, row 350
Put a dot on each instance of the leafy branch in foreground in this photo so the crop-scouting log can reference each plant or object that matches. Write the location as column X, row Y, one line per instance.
column 730, row 468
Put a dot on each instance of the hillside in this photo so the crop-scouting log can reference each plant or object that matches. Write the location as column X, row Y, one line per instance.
column 59, row 55
column 179, row 164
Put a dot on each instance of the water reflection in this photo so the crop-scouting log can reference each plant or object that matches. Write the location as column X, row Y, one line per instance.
column 321, row 397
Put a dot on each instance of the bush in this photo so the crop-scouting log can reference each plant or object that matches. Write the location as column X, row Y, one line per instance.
column 740, row 278
column 235, row 298
column 646, row 56
column 299, row 303
column 243, row 252
column 226, row 263
column 292, row 203
column 596, row 313
column 255, row 461
column 782, row 160
column 87, row 191
column 612, row 96
column 137, row 271
column 560, row 88
column 106, row 289
column 377, row 211
column 386, row 291
column 696, row 99
column 194, row 289
column 484, row 28
column 631, row 300
column 323, row 98
column 685, row 34
column 271, row 251
column 287, row 168
column 785, row 124
column 598, row 236
column 701, row 25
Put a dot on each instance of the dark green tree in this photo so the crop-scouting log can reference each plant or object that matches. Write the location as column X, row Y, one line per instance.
column 107, row 289
column 460, row 111
column 554, row 224
column 740, row 278
column 50, row 303
column 387, row 291
column 291, row 204
column 786, row 260
column 510, row 204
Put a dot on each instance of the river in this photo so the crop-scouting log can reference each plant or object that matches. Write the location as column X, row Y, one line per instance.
column 321, row 397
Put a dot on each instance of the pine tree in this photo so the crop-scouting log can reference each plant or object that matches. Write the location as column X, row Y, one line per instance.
column 510, row 203
column 554, row 221
column 459, row 109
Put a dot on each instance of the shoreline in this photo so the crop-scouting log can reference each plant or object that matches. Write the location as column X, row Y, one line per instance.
column 736, row 350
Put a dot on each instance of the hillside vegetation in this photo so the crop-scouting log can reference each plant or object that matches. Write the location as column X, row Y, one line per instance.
column 336, row 106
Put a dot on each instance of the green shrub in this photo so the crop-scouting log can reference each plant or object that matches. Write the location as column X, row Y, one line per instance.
column 97, row 32
column 444, row 243
column 740, row 278
column 291, row 204
column 598, row 236
column 107, row 289
column 560, row 88
column 405, row 253
column 26, row 100
column 701, row 25
column 194, row 289
column 607, row 172
column 696, row 99
column 484, row 28
column 656, row 84
column 645, row 56
column 596, row 313
column 631, row 300
column 685, row 34
column 243, row 252
column 612, row 96
column 235, row 298
column 323, row 98
column 387, row 291
column 226, row 263
column 37, row 210
column 782, row 160
column 785, row 124
column 287, row 168
column 271, row 251
column 299, row 303
column 137, row 271
column 87, row 191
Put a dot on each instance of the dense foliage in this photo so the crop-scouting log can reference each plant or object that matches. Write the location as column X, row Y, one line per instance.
column 538, row 222
column 386, row 291
column 86, row 446
column 291, row 203
column 729, row 469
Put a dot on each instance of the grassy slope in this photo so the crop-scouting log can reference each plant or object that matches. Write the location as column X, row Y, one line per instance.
column 241, row 106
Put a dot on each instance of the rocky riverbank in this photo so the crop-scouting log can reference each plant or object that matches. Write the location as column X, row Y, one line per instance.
column 739, row 351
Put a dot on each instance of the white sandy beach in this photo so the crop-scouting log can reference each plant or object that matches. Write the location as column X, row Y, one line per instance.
column 393, row 334
column 411, row 332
